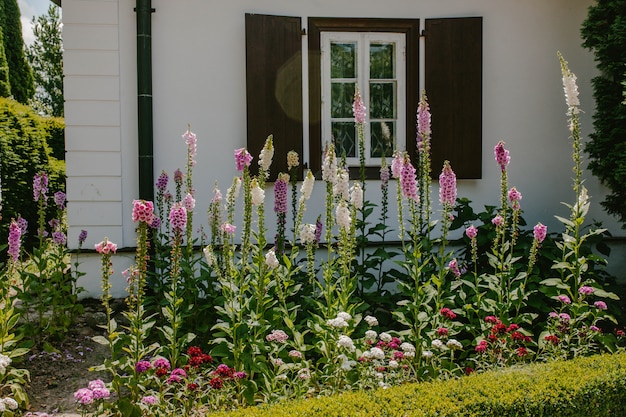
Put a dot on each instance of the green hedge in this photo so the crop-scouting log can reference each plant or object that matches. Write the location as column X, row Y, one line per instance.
column 24, row 152
column 584, row 387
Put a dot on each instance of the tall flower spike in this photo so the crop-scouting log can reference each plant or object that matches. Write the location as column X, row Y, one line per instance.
column 280, row 194
column 15, row 235
column 242, row 158
column 257, row 194
column 358, row 108
column 569, row 86
column 447, row 185
column 178, row 217
column 292, row 159
column 408, row 181
column 266, row 155
column 190, row 140
column 396, row 164
column 307, row 185
column 502, row 155
column 40, row 186
column 423, row 121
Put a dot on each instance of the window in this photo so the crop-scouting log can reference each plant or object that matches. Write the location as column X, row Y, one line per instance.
column 375, row 62
column 452, row 70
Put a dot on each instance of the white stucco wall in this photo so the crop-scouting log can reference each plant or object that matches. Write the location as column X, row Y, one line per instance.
column 199, row 78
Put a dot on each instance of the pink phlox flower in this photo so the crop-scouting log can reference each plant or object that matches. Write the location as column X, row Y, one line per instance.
column 600, row 305
column 408, row 180
column 84, row 396
column 100, row 393
column 358, row 108
column 564, row 317
column 149, row 400
column 178, row 217
column 143, row 211
column 502, row 156
column 277, row 336
column 96, row 383
column 586, row 290
column 161, row 363
column 142, row 366
column 454, row 267
column 539, row 232
column 471, row 232
column 40, row 186
column 228, row 228
column 59, row 199
column 190, row 140
column 514, row 198
column 564, row 299
column 242, row 158
column 241, row 375
column 179, row 372
column 447, row 185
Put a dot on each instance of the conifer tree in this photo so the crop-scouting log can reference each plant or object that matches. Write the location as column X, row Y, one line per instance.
column 20, row 74
column 45, row 56
column 5, row 85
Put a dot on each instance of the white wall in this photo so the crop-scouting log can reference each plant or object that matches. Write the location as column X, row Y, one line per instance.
column 199, row 78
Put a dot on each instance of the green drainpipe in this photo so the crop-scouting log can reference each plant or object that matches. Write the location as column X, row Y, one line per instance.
column 144, row 12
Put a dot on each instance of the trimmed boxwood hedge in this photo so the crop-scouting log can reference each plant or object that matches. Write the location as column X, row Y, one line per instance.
column 584, row 387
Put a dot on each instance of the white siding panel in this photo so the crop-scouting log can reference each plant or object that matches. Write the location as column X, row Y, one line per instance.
column 92, row 113
column 90, row 11
column 91, row 87
column 92, row 164
column 90, row 138
column 94, row 189
column 77, row 36
column 91, row 62
column 95, row 234
column 95, row 213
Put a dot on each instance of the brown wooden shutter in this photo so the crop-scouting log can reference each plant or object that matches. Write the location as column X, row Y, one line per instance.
column 453, row 83
column 274, row 86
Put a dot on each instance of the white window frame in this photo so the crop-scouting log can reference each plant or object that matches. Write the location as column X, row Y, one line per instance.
column 363, row 40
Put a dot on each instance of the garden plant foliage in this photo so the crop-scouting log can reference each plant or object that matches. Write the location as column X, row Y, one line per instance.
column 314, row 310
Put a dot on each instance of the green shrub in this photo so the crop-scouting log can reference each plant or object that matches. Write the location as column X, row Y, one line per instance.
column 592, row 387
column 25, row 152
column 55, row 132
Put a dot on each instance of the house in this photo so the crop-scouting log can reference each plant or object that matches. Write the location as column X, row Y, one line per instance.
column 138, row 72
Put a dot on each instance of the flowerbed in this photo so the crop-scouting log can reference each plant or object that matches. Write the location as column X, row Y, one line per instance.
column 316, row 311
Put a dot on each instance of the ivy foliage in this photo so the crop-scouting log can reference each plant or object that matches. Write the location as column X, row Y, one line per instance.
column 604, row 32
column 24, row 152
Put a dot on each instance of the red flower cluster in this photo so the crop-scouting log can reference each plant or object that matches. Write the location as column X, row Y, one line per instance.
column 197, row 357
column 552, row 339
column 499, row 336
column 447, row 313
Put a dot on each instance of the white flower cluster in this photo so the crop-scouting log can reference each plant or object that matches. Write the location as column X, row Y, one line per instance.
column 342, row 214
column 270, row 259
column 266, row 155
column 307, row 186
column 257, row 194
column 5, row 361
column 307, row 233
column 340, row 321
column 208, row 254
column 371, row 321
column 385, row 337
column 9, row 403
column 341, row 186
column 345, row 342
column 454, row 344
column 356, row 197
column 371, row 335
column 329, row 165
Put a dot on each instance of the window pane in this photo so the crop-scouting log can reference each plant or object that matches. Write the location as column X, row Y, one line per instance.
column 342, row 97
column 382, row 58
column 383, row 100
column 344, row 139
column 382, row 139
column 342, row 60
